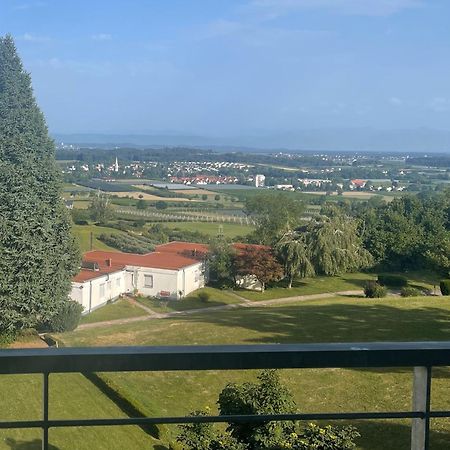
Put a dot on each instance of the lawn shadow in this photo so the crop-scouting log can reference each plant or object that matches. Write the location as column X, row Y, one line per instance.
column 35, row 444
column 393, row 435
column 335, row 322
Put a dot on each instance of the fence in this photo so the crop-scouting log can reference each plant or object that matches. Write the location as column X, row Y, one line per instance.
column 420, row 356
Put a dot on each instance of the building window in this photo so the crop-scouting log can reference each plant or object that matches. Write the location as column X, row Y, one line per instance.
column 148, row 281
column 196, row 276
column 102, row 290
column 118, row 282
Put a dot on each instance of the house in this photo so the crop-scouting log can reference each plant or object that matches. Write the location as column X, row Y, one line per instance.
column 104, row 276
column 357, row 184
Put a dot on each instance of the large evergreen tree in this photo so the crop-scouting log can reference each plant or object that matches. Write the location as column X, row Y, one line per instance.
column 38, row 255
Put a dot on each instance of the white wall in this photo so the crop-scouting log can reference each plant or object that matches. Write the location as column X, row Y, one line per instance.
column 95, row 293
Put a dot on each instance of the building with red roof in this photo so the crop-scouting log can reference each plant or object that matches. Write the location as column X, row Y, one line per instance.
column 171, row 274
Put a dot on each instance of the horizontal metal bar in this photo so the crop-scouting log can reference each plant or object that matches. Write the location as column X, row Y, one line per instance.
column 223, row 419
column 225, row 357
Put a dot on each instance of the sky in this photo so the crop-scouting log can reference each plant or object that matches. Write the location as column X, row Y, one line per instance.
column 230, row 67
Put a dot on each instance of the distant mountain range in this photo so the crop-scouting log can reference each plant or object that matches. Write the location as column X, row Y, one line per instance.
column 357, row 139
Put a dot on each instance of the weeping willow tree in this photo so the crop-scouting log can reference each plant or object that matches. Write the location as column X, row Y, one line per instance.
column 38, row 255
column 335, row 246
column 293, row 252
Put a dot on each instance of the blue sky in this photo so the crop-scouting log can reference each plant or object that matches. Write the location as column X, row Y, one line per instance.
column 224, row 67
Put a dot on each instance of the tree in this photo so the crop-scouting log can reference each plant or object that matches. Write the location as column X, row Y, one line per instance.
column 204, row 197
column 221, row 256
column 268, row 396
column 217, row 197
column 38, row 255
column 259, row 262
column 335, row 245
column 293, row 252
column 275, row 214
column 100, row 209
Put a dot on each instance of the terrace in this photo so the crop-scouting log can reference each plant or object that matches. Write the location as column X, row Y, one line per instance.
column 420, row 357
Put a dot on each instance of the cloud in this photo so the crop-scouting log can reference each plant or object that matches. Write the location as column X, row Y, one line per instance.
column 101, row 37
column 29, row 37
column 271, row 9
column 26, row 6
column 395, row 101
column 439, row 104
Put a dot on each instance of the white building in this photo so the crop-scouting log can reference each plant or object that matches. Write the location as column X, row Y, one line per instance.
column 260, row 180
column 167, row 274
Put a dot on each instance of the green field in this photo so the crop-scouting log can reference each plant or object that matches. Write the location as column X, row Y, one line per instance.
column 230, row 230
column 83, row 234
column 339, row 319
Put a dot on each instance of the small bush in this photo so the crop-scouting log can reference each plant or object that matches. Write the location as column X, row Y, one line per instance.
column 392, row 280
column 329, row 437
column 67, row 318
column 374, row 290
column 445, row 287
column 409, row 291
column 203, row 296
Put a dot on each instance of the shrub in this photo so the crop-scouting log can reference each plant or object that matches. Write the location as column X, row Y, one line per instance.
column 67, row 318
column 330, row 438
column 374, row 290
column 203, row 296
column 392, row 280
column 409, row 291
column 445, row 287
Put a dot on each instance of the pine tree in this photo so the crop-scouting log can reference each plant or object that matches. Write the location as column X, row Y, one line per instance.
column 38, row 255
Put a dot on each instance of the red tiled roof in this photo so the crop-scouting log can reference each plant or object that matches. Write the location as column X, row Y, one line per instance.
column 183, row 248
column 156, row 260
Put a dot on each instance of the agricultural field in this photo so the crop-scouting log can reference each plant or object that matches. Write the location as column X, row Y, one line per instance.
column 146, row 196
column 230, row 230
column 338, row 319
column 83, row 234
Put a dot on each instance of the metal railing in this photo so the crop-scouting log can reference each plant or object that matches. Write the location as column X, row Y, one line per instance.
column 421, row 356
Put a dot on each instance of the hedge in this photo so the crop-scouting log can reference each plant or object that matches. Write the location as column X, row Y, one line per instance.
column 392, row 280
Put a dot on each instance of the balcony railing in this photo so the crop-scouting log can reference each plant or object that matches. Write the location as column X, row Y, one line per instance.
column 420, row 356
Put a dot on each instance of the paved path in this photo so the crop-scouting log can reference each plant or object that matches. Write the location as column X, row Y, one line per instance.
column 245, row 304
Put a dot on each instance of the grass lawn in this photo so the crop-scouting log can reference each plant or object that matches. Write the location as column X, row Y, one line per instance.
column 347, row 282
column 71, row 396
column 83, row 234
column 339, row 319
column 307, row 286
column 217, row 298
column 230, row 230
column 120, row 309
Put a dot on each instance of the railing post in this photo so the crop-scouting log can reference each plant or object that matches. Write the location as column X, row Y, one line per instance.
column 421, row 403
column 45, row 411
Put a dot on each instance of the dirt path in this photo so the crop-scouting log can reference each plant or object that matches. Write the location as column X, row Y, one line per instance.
column 245, row 304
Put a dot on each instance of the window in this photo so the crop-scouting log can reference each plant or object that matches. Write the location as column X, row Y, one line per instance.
column 102, row 290
column 148, row 281
column 196, row 276
column 118, row 282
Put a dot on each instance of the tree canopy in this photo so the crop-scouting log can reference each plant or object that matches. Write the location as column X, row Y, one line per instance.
column 38, row 255
column 275, row 214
